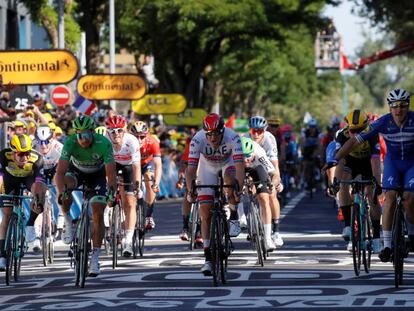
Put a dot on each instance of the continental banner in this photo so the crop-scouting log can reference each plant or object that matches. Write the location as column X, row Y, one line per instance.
column 189, row 117
column 24, row 67
column 160, row 104
column 111, row 86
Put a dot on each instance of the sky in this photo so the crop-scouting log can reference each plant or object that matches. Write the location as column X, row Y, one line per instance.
column 349, row 26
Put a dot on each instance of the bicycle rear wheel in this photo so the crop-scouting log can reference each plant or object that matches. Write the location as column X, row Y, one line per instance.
column 398, row 238
column 356, row 239
column 115, row 235
column 44, row 237
column 19, row 253
column 255, row 237
column 367, row 234
column 84, row 249
column 138, row 241
column 194, row 225
column 10, row 248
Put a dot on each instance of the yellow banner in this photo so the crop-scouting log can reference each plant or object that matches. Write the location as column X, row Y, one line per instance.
column 111, row 86
column 189, row 117
column 38, row 66
column 159, row 104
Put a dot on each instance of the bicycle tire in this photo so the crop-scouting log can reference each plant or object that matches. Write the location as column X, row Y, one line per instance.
column 51, row 251
column 224, row 248
column 115, row 235
column 367, row 235
column 84, row 251
column 356, row 239
column 215, row 249
column 10, row 248
column 44, row 239
column 194, row 225
column 76, row 253
column 255, row 237
column 20, row 240
column 398, row 247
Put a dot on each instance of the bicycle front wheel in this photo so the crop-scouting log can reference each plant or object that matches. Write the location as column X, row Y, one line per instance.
column 20, row 240
column 367, row 234
column 398, row 238
column 115, row 235
column 44, row 238
column 255, row 237
column 84, row 249
column 138, row 242
column 215, row 248
column 194, row 225
column 10, row 248
column 356, row 239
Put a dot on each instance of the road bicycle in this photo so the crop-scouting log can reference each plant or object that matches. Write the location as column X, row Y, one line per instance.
column 47, row 237
column 399, row 247
column 361, row 226
column 15, row 242
column 220, row 242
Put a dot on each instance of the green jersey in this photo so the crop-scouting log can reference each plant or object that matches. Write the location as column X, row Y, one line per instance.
column 88, row 160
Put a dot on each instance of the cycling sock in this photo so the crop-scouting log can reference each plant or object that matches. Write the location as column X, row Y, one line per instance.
column 68, row 219
column 275, row 225
column 2, row 252
column 387, row 238
column 186, row 220
column 150, row 210
column 96, row 252
column 346, row 212
column 376, row 226
column 206, row 244
column 267, row 231
column 32, row 219
column 233, row 215
column 207, row 254
column 129, row 234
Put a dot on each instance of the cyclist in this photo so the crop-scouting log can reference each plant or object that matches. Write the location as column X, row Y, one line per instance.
column 128, row 160
column 51, row 150
column 20, row 166
column 87, row 159
column 213, row 149
column 363, row 160
column 151, row 167
column 398, row 131
column 258, row 133
column 259, row 167
column 310, row 151
column 288, row 159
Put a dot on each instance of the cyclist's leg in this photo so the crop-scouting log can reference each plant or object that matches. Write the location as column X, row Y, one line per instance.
column 344, row 171
column 229, row 173
column 71, row 181
column 185, row 211
column 408, row 201
column 38, row 190
column 148, row 174
column 129, row 203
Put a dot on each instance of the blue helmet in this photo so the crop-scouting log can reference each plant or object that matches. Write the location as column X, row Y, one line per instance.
column 257, row 123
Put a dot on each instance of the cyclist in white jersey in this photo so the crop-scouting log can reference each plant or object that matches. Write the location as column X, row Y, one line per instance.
column 214, row 149
column 128, row 160
column 50, row 149
column 259, row 167
column 267, row 141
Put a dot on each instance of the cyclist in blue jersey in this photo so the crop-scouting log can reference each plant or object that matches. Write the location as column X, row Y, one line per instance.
column 397, row 129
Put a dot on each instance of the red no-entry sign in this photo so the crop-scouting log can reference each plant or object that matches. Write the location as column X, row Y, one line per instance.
column 61, row 95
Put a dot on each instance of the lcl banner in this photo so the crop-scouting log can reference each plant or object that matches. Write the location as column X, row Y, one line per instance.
column 27, row 67
column 160, row 104
column 189, row 117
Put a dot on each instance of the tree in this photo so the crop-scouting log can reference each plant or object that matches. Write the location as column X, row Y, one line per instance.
column 45, row 13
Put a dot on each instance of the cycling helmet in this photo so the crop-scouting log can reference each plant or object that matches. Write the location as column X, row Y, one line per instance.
column 258, row 123
column 43, row 132
column 274, row 121
column 115, row 122
column 213, row 122
column 247, row 146
column 101, row 130
column 21, row 143
column 139, row 128
column 20, row 123
column 398, row 95
column 335, row 121
column 83, row 122
column 312, row 123
column 357, row 120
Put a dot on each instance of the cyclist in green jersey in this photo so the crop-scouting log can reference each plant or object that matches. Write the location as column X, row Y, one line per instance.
column 87, row 159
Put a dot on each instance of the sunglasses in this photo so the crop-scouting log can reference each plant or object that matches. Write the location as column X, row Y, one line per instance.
column 254, row 131
column 118, row 131
column 214, row 133
column 84, row 135
column 399, row 104
column 44, row 142
column 355, row 131
column 141, row 137
column 23, row 154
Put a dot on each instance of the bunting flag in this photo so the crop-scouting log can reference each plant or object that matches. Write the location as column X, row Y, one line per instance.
column 230, row 121
column 84, row 105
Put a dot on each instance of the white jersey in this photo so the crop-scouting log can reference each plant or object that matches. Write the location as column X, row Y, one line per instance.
column 260, row 159
column 50, row 159
column 230, row 150
column 129, row 152
column 269, row 144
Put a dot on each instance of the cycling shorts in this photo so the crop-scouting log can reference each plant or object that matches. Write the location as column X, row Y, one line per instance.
column 149, row 167
column 12, row 185
column 398, row 173
column 127, row 177
column 357, row 166
column 96, row 180
column 260, row 178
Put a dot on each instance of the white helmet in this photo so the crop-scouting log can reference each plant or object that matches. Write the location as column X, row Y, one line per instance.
column 43, row 132
column 312, row 123
column 398, row 95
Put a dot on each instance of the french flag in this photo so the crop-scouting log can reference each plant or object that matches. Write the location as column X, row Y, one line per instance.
column 84, row 105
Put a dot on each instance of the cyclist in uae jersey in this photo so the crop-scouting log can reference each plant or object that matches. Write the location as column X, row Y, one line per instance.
column 20, row 166
column 50, row 149
column 259, row 168
column 258, row 133
column 397, row 129
column 87, row 159
column 128, row 162
column 151, row 167
column 214, row 149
